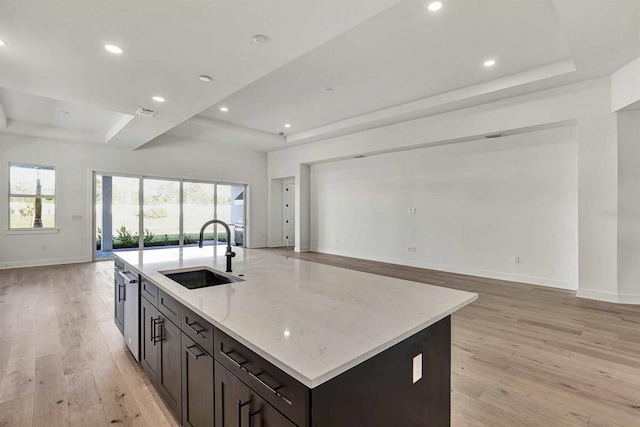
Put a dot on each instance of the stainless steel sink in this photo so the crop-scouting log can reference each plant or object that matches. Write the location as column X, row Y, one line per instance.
column 199, row 277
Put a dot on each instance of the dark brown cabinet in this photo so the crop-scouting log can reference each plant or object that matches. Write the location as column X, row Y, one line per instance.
column 148, row 347
column 161, row 355
column 169, row 338
column 197, row 385
column 233, row 399
column 239, row 406
column 118, row 298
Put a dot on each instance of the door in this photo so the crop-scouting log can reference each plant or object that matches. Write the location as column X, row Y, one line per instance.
column 119, row 293
column 289, row 213
column 197, row 385
column 148, row 347
column 233, row 399
column 170, row 365
column 265, row 415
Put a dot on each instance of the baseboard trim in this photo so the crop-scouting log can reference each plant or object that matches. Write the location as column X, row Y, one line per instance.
column 631, row 299
column 490, row 274
column 43, row 262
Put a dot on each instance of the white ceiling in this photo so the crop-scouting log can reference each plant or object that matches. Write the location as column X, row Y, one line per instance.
column 55, row 49
column 387, row 61
column 401, row 55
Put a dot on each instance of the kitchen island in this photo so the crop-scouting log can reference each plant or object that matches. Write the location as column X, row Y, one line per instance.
column 294, row 343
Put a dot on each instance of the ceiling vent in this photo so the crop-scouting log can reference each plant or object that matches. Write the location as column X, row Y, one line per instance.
column 145, row 113
column 494, row 135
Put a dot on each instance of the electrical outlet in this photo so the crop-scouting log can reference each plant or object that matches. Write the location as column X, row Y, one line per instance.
column 516, row 260
column 411, row 248
column 417, row 368
column 412, row 209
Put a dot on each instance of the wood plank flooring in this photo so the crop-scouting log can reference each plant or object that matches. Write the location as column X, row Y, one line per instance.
column 62, row 360
column 522, row 355
column 527, row 355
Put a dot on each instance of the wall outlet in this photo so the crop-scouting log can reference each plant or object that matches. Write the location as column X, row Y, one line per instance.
column 412, row 210
column 411, row 248
column 516, row 260
column 417, row 368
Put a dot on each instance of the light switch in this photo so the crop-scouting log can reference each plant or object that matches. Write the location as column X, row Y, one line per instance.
column 417, row 368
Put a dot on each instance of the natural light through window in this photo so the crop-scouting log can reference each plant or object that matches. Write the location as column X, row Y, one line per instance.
column 32, row 191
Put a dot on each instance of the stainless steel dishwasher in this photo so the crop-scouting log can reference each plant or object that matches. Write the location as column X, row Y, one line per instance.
column 131, row 312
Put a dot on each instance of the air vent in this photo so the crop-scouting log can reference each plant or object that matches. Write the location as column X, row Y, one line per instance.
column 145, row 113
column 359, row 156
column 494, row 135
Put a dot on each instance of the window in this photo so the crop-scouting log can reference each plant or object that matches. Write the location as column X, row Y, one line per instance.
column 32, row 192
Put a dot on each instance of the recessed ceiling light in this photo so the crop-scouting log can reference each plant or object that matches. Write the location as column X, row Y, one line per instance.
column 113, row 48
column 158, row 99
column 287, row 125
column 224, row 109
column 260, row 39
column 205, row 78
column 489, row 62
column 434, row 6
column 3, row 43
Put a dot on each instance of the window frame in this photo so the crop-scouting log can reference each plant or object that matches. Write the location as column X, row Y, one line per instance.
column 32, row 196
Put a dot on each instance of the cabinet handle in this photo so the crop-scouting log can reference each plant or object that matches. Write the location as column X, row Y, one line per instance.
column 240, row 406
column 255, row 376
column 155, row 323
column 120, row 298
column 127, row 279
column 192, row 327
column 190, row 351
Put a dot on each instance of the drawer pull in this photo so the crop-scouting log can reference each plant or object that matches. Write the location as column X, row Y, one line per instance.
column 195, row 327
column 120, row 297
column 240, row 406
column 156, row 338
column 190, row 351
column 255, row 376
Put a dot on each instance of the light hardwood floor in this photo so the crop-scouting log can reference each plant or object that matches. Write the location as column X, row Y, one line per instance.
column 522, row 355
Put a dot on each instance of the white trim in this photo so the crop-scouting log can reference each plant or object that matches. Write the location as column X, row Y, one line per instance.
column 24, row 231
column 629, row 299
column 490, row 274
column 43, row 262
column 608, row 296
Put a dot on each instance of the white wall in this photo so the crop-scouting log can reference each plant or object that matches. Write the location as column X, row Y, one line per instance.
column 478, row 205
column 168, row 156
column 588, row 104
column 625, row 86
column 628, row 212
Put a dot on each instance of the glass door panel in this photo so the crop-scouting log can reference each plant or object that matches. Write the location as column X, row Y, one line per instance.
column 161, row 207
column 230, row 209
column 198, row 208
column 117, row 214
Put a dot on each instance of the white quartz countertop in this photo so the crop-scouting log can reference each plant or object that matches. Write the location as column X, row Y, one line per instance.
column 313, row 321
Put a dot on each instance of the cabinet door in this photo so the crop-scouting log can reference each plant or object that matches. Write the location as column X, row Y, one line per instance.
column 233, row 399
column 197, row 385
column 149, row 349
column 118, row 298
column 170, row 365
column 265, row 415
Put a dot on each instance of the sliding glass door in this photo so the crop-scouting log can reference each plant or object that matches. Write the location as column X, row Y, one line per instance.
column 134, row 212
column 161, row 207
column 199, row 206
column 117, row 214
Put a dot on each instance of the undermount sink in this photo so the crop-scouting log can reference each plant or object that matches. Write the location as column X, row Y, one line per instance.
column 199, row 277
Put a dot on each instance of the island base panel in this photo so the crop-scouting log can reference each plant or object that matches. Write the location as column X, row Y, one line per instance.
column 380, row 391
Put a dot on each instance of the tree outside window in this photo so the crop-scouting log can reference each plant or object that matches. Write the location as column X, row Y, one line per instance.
column 31, row 196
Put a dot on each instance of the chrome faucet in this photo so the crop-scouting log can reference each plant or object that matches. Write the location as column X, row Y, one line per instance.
column 229, row 254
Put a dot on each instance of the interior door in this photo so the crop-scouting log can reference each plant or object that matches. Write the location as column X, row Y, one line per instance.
column 289, row 213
